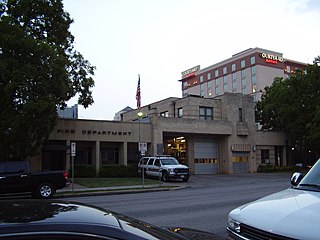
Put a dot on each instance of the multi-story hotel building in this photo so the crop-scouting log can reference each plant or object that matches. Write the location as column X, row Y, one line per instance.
column 247, row 72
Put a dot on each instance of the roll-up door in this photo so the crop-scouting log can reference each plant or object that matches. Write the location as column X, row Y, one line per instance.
column 206, row 156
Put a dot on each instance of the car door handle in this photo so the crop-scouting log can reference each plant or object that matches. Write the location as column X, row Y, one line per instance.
column 2, row 177
column 23, row 175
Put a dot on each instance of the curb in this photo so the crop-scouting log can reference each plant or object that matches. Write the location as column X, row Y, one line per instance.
column 87, row 192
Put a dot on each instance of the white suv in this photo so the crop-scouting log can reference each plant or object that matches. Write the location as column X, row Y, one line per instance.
column 164, row 167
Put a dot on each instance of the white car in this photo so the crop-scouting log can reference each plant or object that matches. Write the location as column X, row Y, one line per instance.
column 164, row 167
column 290, row 214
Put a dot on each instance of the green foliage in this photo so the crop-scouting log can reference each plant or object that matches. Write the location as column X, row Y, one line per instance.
column 111, row 171
column 81, row 171
column 293, row 106
column 272, row 168
column 39, row 70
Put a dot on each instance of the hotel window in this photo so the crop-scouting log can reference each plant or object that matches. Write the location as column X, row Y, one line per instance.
column 244, row 89
column 234, row 77
column 164, row 114
column 253, row 60
column 216, row 73
column 208, row 76
column 201, row 79
column 243, row 64
column 243, row 73
column 185, row 93
column 216, row 90
column 254, row 88
column 185, row 84
column 233, row 67
column 288, row 69
column 240, row 115
column 180, row 113
column 253, row 79
column 224, row 70
column 234, row 87
column 206, row 113
column 225, row 83
column 209, row 88
column 253, row 70
column 243, row 82
column 202, row 90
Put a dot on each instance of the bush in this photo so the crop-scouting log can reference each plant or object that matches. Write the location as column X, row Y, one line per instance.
column 272, row 168
column 83, row 171
column 118, row 171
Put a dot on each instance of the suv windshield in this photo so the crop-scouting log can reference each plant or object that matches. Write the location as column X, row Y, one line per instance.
column 312, row 179
column 169, row 161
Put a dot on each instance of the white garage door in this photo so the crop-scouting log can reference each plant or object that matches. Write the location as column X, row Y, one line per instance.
column 206, row 155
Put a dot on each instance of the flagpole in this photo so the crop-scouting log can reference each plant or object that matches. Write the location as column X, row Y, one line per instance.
column 140, row 114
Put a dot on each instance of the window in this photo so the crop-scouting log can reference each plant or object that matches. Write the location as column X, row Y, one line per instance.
column 208, row 76
column 217, row 90
column 180, row 113
column 243, row 82
column 209, row 88
column 185, row 84
column 254, row 88
column 253, row 70
column 243, row 73
column 234, row 87
column 224, row 70
column 202, row 90
column 288, row 69
column 234, row 77
column 201, row 79
column 164, row 114
column 265, row 156
column 206, row 113
column 244, row 90
column 225, row 84
column 233, row 67
column 243, row 63
column 253, row 60
column 185, row 93
column 253, row 79
column 216, row 73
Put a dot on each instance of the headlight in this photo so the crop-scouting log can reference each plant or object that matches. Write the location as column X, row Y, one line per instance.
column 234, row 225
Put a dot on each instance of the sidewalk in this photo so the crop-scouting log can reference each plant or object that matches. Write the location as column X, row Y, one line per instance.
column 77, row 190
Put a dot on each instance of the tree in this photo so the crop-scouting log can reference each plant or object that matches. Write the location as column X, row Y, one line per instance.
column 292, row 105
column 39, row 71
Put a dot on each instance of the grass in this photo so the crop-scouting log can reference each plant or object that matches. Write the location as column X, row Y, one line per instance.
column 112, row 182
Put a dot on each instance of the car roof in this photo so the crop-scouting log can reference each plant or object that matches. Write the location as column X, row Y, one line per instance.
column 53, row 211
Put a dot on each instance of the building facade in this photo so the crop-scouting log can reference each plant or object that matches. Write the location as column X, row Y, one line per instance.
column 247, row 72
column 210, row 135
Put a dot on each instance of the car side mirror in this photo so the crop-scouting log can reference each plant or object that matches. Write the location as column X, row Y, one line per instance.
column 296, row 179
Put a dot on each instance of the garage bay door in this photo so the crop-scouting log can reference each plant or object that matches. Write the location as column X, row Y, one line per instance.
column 206, row 156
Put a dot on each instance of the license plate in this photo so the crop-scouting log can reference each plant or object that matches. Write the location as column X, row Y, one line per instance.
column 182, row 176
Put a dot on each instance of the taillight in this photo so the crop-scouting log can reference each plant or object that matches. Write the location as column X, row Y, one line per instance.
column 65, row 174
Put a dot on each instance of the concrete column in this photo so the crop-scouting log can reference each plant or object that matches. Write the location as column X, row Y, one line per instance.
column 97, row 157
column 123, row 154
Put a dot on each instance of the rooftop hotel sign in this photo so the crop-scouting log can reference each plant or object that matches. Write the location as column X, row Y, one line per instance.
column 190, row 72
column 270, row 58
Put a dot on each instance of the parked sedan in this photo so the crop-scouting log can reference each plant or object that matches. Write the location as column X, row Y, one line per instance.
column 51, row 219
column 290, row 214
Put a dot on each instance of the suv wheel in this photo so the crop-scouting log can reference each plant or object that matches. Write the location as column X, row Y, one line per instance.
column 164, row 176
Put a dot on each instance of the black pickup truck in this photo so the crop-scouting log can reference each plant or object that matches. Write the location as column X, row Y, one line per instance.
column 15, row 177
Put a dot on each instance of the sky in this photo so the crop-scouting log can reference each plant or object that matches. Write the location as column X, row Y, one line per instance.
column 159, row 39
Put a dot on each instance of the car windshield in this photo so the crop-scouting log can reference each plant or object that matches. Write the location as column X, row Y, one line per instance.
column 169, row 161
column 312, row 179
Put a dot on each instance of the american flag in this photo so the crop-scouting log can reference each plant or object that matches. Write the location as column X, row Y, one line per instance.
column 138, row 95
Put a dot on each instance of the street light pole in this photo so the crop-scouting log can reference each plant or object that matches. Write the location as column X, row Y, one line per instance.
column 140, row 114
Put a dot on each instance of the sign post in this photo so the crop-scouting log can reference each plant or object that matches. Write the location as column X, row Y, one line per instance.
column 142, row 150
column 73, row 154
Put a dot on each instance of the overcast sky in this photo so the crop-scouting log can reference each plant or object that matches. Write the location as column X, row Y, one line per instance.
column 159, row 39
